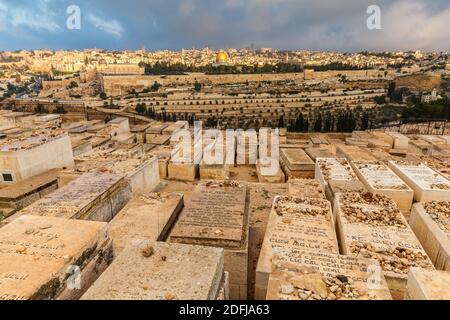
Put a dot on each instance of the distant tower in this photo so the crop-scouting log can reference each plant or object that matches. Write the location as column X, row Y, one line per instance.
column 287, row 57
column 182, row 56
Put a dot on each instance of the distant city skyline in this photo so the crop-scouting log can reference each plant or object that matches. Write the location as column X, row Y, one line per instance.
column 176, row 24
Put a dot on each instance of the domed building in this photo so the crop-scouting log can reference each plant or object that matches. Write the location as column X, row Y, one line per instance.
column 222, row 58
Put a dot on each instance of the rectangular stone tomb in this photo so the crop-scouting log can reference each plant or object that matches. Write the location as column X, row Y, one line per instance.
column 333, row 169
column 326, row 276
column 184, row 166
column 371, row 226
column 428, row 184
column 260, row 202
column 214, row 171
column 324, row 152
column 92, row 196
column 214, row 165
column 296, row 163
column 20, row 195
column 41, row 257
column 146, row 217
column 431, row 224
column 294, row 224
column 428, row 285
column 379, row 179
column 148, row 270
column 217, row 216
column 265, row 174
column 353, row 153
column 296, row 160
column 306, row 188
column 163, row 153
column 342, row 186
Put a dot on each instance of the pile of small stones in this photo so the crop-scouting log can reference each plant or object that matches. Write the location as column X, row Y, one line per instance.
column 326, row 170
column 390, row 186
column 387, row 215
column 439, row 211
column 336, row 288
column 290, row 205
column 226, row 183
column 440, row 186
column 151, row 198
column 398, row 260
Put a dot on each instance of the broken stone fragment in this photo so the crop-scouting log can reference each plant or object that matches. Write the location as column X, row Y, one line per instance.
column 147, row 251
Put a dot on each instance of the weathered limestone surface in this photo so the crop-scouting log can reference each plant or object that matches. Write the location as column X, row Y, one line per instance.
column 371, row 226
column 342, row 186
column 324, row 152
column 306, row 188
column 294, row 224
column 278, row 177
column 20, row 195
column 145, row 217
column 334, row 170
column 214, row 171
column 261, row 197
column 297, row 160
column 400, row 141
column 379, row 179
column 217, row 215
column 36, row 252
column 92, row 196
column 430, row 222
column 147, row 270
column 353, row 153
column 328, row 169
column 428, row 285
column 326, row 276
column 182, row 172
column 428, row 184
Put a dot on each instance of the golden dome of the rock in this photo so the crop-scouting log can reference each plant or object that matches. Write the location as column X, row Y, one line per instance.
column 221, row 57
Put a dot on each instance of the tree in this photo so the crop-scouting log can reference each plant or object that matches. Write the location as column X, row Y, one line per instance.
column 103, row 96
column 140, row 108
column 59, row 110
column 318, row 124
column 155, row 86
column 72, row 85
column 197, row 86
column 40, row 109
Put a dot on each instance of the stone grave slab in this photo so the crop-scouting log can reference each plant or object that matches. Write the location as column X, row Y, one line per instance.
column 148, row 270
column 334, row 169
column 353, row 153
column 36, row 253
column 296, row 160
column 146, row 217
column 278, row 177
column 379, row 179
column 430, row 222
column 428, row 285
column 260, row 202
column 306, row 188
column 92, row 196
column 217, row 215
column 428, row 184
column 294, row 224
column 326, row 276
column 324, row 152
column 371, row 226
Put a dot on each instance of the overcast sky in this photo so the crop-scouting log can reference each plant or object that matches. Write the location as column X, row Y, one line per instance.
column 175, row 24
